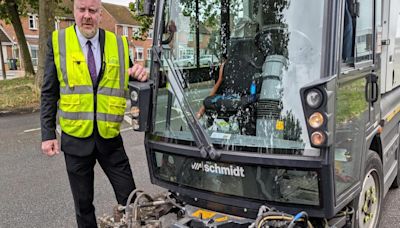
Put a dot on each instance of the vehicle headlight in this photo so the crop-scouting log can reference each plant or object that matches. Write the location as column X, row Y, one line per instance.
column 318, row 138
column 135, row 111
column 314, row 98
column 134, row 96
column 316, row 120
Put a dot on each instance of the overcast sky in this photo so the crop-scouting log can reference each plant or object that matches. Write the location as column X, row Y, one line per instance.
column 119, row 2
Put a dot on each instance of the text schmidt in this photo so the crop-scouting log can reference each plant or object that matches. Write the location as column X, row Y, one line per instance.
column 231, row 170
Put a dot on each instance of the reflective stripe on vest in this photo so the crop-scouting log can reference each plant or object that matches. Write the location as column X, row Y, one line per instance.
column 89, row 116
column 76, row 94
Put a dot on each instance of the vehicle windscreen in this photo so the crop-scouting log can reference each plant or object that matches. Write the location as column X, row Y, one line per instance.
column 241, row 64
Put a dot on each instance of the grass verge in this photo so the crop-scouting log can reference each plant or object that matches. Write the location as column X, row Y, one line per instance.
column 18, row 95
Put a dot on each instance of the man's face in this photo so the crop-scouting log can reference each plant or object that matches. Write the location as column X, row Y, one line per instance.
column 87, row 14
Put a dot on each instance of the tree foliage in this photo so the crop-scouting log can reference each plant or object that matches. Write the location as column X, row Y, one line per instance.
column 144, row 21
column 24, row 7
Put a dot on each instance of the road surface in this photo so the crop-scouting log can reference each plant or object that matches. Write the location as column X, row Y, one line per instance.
column 34, row 189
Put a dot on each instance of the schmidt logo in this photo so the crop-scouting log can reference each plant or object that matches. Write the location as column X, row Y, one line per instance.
column 230, row 170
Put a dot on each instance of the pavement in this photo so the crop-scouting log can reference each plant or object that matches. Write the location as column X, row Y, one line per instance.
column 11, row 74
column 34, row 188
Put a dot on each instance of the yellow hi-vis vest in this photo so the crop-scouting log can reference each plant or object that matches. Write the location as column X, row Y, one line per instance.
column 76, row 104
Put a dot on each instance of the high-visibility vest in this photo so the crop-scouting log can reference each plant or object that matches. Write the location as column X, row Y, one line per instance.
column 76, row 104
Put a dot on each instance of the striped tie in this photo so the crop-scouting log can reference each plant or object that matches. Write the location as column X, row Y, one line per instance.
column 91, row 62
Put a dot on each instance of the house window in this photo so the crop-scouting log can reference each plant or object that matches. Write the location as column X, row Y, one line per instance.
column 148, row 58
column 150, row 34
column 32, row 22
column 15, row 51
column 125, row 31
column 34, row 54
column 139, row 53
column 135, row 31
column 149, row 53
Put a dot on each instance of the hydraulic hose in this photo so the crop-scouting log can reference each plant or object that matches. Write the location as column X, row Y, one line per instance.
column 128, row 208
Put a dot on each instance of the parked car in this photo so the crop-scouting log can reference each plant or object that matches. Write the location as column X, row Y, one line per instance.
column 208, row 60
column 185, row 61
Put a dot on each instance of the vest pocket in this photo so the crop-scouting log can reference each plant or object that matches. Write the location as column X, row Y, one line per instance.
column 112, row 71
column 70, row 103
column 79, row 70
column 116, row 106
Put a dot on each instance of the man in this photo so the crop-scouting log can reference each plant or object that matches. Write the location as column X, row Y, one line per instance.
column 86, row 77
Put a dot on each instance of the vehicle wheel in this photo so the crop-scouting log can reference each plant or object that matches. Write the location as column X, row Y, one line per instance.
column 370, row 199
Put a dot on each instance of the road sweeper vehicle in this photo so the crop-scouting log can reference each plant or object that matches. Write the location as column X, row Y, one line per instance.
column 296, row 125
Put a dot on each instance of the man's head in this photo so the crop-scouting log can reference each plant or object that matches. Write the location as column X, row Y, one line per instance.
column 87, row 14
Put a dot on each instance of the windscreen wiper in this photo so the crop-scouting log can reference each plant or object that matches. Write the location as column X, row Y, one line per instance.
column 175, row 79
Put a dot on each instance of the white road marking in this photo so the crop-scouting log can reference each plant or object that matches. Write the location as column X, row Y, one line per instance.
column 32, row 130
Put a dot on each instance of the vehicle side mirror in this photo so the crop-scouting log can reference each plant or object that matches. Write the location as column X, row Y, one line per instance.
column 141, row 102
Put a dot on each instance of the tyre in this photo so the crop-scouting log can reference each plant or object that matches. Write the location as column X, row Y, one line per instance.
column 371, row 196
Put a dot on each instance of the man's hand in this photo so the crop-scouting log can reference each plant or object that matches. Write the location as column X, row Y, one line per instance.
column 50, row 147
column 138, row 72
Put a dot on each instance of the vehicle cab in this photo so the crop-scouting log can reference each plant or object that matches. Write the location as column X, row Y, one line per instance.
column 292, row 116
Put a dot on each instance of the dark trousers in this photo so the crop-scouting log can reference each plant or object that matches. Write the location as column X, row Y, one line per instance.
column 81, row 177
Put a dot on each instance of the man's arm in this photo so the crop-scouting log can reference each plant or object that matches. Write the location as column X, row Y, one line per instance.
column 50, row 96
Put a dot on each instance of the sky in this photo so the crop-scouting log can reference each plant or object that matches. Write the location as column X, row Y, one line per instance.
column 119, row 2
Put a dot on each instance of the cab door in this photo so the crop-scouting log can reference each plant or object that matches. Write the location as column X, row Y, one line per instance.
column 357, row 94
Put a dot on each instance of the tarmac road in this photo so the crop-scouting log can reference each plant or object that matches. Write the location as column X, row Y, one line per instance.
column 34, row 189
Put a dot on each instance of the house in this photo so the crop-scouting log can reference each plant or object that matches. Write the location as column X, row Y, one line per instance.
column 118, row 19
column 6, row 46
column 115, row 18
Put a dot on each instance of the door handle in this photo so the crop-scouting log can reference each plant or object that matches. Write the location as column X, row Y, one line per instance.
column 371, row 88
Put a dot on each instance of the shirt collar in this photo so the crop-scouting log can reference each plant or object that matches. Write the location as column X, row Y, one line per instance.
column 83, row 40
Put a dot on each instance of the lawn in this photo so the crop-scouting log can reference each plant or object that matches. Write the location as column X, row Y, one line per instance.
column 18, row 95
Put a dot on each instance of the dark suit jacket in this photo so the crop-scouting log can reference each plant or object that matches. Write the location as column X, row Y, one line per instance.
column 49, row 99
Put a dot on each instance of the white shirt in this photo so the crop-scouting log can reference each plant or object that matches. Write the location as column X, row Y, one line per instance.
column 95, row 47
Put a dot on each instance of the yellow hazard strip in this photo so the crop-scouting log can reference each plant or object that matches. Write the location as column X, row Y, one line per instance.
column 392, row 114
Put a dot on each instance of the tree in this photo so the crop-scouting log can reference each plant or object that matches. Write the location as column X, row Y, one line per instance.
column 10, row 11
column 46, row 25
column 144, row 21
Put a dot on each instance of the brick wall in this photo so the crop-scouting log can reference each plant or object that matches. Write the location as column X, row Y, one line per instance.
column 31, row 35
